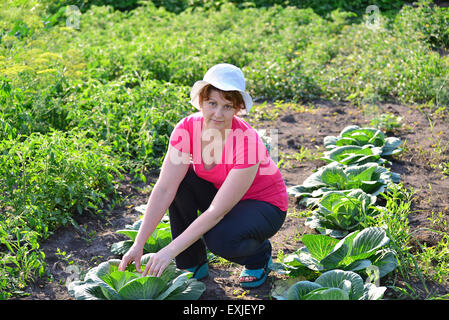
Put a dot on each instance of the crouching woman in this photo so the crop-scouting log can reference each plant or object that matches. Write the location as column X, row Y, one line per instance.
column 222, row 190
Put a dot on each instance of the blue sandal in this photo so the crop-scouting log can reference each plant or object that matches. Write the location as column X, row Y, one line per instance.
column 200, row 271
column 259, row 276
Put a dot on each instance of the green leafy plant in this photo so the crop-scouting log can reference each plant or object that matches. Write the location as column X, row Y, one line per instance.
column 370, row 178
column 45, row 181
column 339, row 213
column 348, row 155
column 123, row 79
column 356, row 252
column 158, row 239
column 333, row 285
column 386, row 121
column 106, row 282
column 355, row 136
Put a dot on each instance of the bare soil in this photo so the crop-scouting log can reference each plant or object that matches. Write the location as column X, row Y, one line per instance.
column 426, row 146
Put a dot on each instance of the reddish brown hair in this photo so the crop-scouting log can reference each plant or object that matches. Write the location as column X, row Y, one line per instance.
column 234, row 96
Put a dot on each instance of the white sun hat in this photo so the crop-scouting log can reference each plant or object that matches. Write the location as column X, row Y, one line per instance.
column 223, row 76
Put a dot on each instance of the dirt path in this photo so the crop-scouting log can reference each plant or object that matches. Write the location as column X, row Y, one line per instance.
column 426, row 145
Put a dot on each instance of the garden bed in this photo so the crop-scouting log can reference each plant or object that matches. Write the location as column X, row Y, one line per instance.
column 426, row 146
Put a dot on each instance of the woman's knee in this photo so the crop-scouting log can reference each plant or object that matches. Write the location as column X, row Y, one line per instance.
column 220, row 242
column 244, row 229
column 229, row 243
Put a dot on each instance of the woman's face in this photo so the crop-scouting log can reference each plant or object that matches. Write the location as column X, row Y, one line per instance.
column 217, row 112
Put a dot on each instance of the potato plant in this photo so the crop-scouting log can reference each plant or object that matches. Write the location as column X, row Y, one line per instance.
column 106, row 282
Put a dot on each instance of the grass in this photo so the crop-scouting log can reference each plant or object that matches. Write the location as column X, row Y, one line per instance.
column 434, row 260
column 82, row 104
column 292, row 160
column 419, row 264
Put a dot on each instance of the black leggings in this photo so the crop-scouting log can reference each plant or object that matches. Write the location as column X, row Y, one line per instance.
column 241, row 236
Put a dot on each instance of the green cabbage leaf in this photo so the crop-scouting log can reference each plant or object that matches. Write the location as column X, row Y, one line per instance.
column 371, row 178
column 348, row 155
column 333, row 285
column 160, row 238
column 358, row 251
column 339, row 213
column 106, row 282
column 354, row 135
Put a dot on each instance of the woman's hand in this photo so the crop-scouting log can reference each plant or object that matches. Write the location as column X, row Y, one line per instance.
column 133, row 254
column 158, row 262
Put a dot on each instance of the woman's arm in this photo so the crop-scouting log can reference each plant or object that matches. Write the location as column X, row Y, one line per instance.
column 230, row 193
column 162, row 195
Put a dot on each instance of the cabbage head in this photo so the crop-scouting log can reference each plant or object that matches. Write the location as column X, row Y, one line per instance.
column 356, row 252
column 348, row 155
column 354, row 135
column 339, row 213
column 106, row 282
column 371, row 178
column 334, row 285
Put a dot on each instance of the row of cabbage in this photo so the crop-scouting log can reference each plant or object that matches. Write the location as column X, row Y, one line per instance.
column 350, row 252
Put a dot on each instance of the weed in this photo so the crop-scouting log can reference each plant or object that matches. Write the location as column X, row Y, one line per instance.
column 293, row 160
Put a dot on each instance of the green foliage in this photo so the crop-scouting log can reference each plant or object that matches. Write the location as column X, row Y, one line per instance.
column 20, row 19
column 45, row 180
column 356, row 252
column 106, row 282
column 345, row 196
column 370, row 178
column 158, row 239
column 425, row 21
column 354, row 136
column 21, row 261
column 354, row 159
column 348, row 155
column 285, row 52
column 339, row 213
column 79, row 105
column 31, row 109
column 334, row 285
column 134, row 119
column 387, row 122
column 322, row 7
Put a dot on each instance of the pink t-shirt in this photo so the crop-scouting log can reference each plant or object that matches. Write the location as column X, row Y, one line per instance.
column 243, row 148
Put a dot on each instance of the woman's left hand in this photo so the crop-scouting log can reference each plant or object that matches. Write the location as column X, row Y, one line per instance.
column 158, row 262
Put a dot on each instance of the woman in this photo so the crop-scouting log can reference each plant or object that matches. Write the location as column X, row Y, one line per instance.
column 217, row 165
